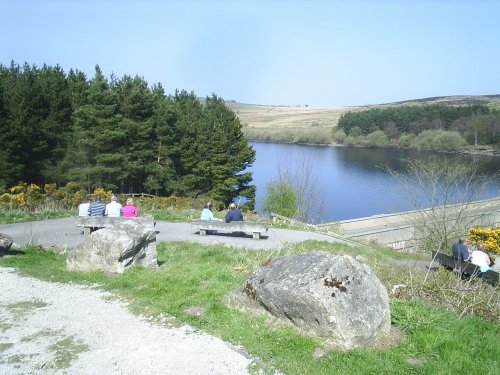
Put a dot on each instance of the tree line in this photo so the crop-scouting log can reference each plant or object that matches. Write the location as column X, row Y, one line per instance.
column 119, row 134
column 477, row 124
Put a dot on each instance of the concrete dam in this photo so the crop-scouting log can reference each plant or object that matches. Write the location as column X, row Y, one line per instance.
column 401, row 230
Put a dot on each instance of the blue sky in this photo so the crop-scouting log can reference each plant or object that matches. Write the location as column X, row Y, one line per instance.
column 319, row 53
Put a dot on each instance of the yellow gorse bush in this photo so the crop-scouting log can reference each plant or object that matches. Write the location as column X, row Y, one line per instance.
column 489, row 236
column 32, row 197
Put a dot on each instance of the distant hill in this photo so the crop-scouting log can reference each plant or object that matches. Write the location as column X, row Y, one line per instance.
column 274, row 118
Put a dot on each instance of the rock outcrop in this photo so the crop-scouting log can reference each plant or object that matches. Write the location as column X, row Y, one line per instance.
column 335, row 297
column 5, row 243
column 115, row 248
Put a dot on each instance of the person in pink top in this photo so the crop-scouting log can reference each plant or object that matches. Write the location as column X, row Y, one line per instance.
column 129, row 210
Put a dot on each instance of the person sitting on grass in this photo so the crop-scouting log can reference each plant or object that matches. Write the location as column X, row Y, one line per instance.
column 207, row 213
column 234, row 214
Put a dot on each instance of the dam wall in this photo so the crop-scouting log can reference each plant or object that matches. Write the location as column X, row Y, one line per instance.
column 400, row 230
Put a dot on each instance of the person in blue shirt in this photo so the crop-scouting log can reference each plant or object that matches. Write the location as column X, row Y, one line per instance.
column 207, row 213
column 460, row 250
column 234, row 214
column 97, row 208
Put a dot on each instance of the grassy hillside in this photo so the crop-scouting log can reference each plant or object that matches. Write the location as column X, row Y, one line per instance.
column 299, row 117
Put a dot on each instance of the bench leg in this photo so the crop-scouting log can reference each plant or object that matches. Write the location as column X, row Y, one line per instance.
column 256, row 235
column 203, row 232
column 86, row 231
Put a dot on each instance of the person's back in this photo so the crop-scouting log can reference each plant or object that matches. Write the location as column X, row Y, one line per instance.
column 480, row 258
column 129, row 210
column 113, row 208
column 233, row 214
column 97, row 208
column 460, row 250
column 83, row 208
column 207, row 213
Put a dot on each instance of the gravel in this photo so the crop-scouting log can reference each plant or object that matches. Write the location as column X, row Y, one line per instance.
column 55, row 328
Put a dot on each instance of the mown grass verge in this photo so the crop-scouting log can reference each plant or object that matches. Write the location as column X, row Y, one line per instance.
column 194, row 275
column 19, row 216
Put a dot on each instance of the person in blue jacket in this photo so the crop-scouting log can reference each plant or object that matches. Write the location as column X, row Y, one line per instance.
column 234, row 214
column 460, row 250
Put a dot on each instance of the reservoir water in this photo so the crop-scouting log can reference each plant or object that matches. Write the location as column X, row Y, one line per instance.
column 354, row 181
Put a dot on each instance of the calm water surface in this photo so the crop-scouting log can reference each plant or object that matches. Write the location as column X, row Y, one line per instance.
column 355, row 181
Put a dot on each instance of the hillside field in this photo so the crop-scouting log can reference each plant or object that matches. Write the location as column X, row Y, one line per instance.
column 278, row 117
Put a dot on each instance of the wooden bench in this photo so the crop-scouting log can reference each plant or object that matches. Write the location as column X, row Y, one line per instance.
column 203, row 226
column 465, row 268
column 90, row 222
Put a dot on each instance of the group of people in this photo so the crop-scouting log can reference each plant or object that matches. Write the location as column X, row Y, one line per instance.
column 112, row 209
column 233, row 214
column 477, row 256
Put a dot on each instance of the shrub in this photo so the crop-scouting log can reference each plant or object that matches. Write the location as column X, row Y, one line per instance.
column 406, row 139
column 355, row 132
column 376, row 138
column 439, row 140
column 489, row 236
column 339, row 136
column 280, row 198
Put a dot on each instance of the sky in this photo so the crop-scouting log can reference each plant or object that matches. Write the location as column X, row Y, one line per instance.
column 316, row 53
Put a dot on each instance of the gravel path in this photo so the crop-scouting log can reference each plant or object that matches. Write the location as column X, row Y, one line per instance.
column 56, row 328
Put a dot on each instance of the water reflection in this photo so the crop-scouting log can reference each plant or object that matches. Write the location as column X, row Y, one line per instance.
column 355, row 180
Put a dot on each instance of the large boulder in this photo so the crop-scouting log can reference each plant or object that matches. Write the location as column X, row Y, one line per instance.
column 5, row 243
column 115, row 248
column 335, row 297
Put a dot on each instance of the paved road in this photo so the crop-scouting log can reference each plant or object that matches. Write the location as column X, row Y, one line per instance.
column 64, row 233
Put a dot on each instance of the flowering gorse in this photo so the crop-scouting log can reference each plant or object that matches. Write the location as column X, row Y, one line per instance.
column 489, row 236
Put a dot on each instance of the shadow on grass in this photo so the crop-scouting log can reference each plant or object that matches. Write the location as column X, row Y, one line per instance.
column 11, row 252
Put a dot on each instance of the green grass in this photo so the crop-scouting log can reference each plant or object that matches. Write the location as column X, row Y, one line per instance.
column 175, row 216
column 194, row 275
column 19, row 216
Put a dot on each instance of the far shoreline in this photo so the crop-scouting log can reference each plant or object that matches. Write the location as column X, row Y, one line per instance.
column 480, row 152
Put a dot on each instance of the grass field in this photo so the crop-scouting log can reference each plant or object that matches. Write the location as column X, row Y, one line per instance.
column 266, row 122
column 434, row 341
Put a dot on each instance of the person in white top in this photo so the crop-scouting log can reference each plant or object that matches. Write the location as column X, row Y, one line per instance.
column 113, row 208
column 83, row 208
column 480, row 258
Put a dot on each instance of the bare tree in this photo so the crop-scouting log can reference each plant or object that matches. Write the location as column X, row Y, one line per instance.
column 309, row 194
column 445, row 194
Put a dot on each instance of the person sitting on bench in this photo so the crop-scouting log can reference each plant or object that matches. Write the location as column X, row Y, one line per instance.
column 460, row 250
column 234, row 214
column 207, row 213
column 480, row 258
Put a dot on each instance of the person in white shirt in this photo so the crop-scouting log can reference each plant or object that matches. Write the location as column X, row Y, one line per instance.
column 83, row 208
column 480, row 258
column 113, row 208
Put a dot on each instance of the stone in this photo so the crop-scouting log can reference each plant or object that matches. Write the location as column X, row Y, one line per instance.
column 5, row 242
column 334, row 297
column 115, row 248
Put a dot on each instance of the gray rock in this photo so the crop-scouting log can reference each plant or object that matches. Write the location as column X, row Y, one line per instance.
column 5, row 242
column 335, row 297
column 115, row 248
